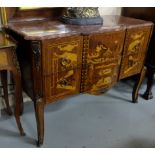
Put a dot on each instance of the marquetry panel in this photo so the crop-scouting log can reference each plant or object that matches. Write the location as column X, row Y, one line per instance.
column 134, row 51
column 63, row 54
column 61, row 84
column 103, row 60
column 101, row 76
column 105, row 47
column 131, row 64
column 136, row 40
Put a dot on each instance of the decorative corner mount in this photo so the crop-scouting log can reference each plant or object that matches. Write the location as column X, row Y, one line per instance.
column 36, row 48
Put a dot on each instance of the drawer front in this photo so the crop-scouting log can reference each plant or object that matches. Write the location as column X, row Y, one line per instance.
column 62, row 54
column 4, row 57
column 100, row 76
column 62, row 84
column 105, row 47
column 8, row 58
column 134, row 51
column 103, row 61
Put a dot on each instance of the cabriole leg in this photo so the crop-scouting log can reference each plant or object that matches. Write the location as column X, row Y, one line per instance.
column 140, row 78
column 5, row 90
column 18, row 100
column 150, row 80
column 39, row 112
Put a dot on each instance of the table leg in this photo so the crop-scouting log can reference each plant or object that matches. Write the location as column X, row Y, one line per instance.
column 140, row 78
column 18, row 100
column 150, row 80
column 39, row 112
column 5, row 90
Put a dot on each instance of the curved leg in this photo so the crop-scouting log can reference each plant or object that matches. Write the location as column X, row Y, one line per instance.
column 5, row 90
column 39, row 112
column 18, row 100
column 150, row 80
column 21, row 105
column 138, row 84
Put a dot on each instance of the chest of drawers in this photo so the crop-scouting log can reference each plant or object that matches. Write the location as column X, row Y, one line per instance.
column 59, row 60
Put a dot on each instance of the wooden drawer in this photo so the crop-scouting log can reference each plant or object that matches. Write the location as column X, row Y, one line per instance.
column 62, row 54
column 62, row 84
column 134, row 51
column 105, row 47
column 100, row 76
column 4, row 56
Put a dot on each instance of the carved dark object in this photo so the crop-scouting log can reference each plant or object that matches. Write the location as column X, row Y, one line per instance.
column 77, row 59
column 145, row 13
column 82, row 16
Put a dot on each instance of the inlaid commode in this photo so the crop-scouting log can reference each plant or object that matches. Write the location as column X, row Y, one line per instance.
column 58, row 60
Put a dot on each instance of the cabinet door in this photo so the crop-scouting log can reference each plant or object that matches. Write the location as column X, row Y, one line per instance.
column 134, row 53
column 103, row 59
column 62, row 70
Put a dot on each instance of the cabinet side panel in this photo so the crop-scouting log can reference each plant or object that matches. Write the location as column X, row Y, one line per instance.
column 135, row 48
column 62, row 59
